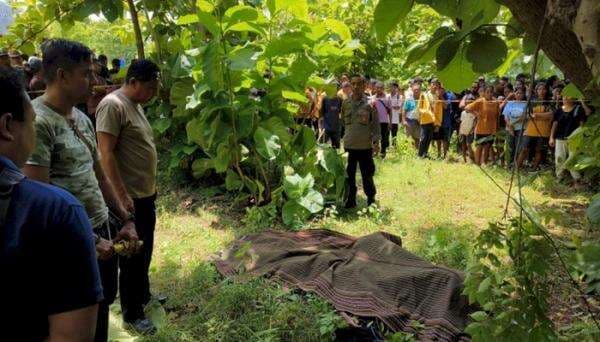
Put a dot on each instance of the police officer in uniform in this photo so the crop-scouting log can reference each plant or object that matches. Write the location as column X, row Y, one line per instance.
column 361, row 140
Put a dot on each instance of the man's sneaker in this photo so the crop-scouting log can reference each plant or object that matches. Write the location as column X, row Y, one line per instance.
column 142, row 326
column 161, row 298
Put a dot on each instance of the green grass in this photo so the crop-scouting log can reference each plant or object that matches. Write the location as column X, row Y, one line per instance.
column 437, row 207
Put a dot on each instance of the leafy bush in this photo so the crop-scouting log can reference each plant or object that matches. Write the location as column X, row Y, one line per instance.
column 237, row 94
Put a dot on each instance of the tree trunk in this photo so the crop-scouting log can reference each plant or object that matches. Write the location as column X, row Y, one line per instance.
column 559, row 42
column 136, row 29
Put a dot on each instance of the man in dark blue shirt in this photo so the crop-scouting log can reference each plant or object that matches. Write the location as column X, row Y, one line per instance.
column 50, row 283
column 330, row 111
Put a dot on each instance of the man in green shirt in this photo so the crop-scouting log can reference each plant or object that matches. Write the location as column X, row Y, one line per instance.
column 361, row 140
column 66, row 155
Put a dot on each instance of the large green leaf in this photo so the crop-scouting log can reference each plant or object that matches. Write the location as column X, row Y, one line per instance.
column 446, row 51
column 388, row 14
column 182, row 67
column 293, row 213
column 296, row 187
column 201, row 166
column 424, row 52
column 188, row 19
column 195, row 99
column 339, row 28
column 205, row 6
column 448, row 8
column 305, row 140
column 312, row 201
column 223, row 157
column 233, row 181
column 243, row 58
column 572, row 91
column 593, row 211
column 294, row 96
column 267, row 143
column 240, row 13
column 213, row 66
column 458, row 74
column 286, row 44
column 477, row 12
column 486, row 52
column 277, row 126
column 298, row 8
column 246, row 27
column 180, row 91
column 112, row 10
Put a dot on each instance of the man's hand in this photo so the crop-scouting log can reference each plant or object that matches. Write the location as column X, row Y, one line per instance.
column 128, row 233
column 436, row 129
column 104, row 249
column 551, row 142
column 405, row 123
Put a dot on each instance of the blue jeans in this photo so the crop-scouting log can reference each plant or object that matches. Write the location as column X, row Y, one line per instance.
column 425, row 139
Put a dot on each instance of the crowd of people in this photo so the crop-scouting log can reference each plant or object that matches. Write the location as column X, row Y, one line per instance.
column 71, row 191
column 490, row 120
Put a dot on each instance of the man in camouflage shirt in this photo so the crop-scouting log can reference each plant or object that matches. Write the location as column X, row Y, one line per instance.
column 360, row 141
column 66, row 155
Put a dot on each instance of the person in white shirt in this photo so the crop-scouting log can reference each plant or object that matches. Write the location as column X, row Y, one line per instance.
column 396, row 100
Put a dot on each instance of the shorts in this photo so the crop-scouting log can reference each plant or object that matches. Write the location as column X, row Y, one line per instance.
column 468, row 139
column 413, row 129
column 484, row 139
column 533, row 143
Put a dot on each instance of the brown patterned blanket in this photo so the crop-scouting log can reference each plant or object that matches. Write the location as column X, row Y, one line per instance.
column 370, row 276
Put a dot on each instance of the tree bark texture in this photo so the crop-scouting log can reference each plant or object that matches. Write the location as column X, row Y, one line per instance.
column 559, row 41
column 136, row 29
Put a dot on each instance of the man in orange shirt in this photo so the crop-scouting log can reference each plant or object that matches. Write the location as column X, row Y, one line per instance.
column 486, row 110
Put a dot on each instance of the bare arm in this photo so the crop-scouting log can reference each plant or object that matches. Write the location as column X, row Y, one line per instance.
column 73, row 326
column 121, row 209
column 38, row 173
column 544, row 115
column 112, row 185
column 587, row 110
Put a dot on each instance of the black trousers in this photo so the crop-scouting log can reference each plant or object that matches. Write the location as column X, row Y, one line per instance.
column 134, row 281
column 109, row 271
column 385, row 136
column 394, row 129
column 364, row 159
column 425, row 141
column 334, row 137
